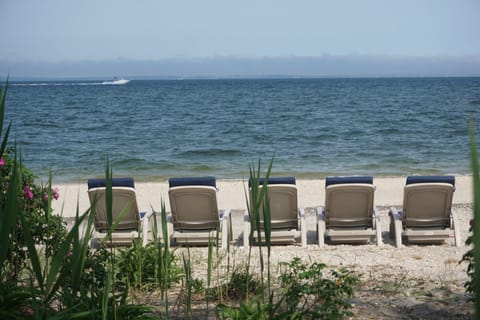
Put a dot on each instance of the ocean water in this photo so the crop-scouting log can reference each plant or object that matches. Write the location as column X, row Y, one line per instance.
column 153, row 130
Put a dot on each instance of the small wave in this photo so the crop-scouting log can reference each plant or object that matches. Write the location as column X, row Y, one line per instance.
column 213, row 152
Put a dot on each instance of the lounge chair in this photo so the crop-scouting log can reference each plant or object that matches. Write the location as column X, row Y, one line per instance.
column 427, row 216
column 124, row 203
column 195, row 218
column 287, row 220
column 349, row 215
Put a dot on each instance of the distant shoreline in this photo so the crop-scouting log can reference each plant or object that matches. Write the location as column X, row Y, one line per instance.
column 17, row 80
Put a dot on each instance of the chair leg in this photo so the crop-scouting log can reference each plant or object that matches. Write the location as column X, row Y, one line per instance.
column 320, row 226
column 225, row 229
column 396, row 226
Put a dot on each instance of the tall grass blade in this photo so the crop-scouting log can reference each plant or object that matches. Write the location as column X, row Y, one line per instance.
column 164, row 259
column 56, row 274
column 476, row 218
column 32, row 251
column 3, row 95
column 187, row 271
column 260, row 219
column 109, row 198
column 80, row 246
column 5, row 140
column 163, row 217
column 105, row 295
column 9, row 213
column 209, row 262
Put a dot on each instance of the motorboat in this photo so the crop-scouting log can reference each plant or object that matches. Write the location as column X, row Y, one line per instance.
column 116, row 81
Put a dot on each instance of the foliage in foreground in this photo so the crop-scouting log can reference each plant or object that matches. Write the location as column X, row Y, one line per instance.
column 305, row 292
column 472, row 256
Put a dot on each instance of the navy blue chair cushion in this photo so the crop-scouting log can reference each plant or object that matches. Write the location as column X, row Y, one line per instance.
column 430, row 179
column 275, row 180
column 342, row 180
column 116, row 182
column 192, row 181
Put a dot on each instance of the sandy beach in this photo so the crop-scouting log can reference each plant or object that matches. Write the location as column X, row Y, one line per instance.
column 399, row 283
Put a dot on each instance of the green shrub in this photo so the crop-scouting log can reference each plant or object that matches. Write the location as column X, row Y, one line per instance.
column 307, row 294
column 138, row 266
column 48, row 230
column 304, row 292
column 240, row 285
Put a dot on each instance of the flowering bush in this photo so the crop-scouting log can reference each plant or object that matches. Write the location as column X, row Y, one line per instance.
column 48, row 230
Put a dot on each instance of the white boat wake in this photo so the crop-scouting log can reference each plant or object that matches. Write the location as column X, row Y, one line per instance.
column 116, row 81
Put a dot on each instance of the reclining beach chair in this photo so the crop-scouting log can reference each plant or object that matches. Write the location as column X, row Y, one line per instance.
column 195, row 218
column 287, row 220
column 349, row 215
column 131, row 223
column 427, row 216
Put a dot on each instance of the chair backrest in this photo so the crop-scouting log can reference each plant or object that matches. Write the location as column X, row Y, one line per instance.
column 349, row 202
column 193, row 203
column 427, row 201
column 283, row 197
column 123, row 198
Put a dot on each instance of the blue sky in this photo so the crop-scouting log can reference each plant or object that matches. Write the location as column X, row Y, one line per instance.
column 50, row 33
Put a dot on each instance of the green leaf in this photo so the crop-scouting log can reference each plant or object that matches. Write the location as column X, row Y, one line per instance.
column 476, row 217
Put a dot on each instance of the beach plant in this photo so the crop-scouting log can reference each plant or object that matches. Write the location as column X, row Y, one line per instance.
column 472, row 256
column 48, row 230
column 240, row 285
column 166, row 271
column 306, row 293
column 258, row 211
column 136, row 265
column 187, row 284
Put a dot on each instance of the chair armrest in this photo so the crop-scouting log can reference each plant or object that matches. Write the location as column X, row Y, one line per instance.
column 396, row 227
column 146, row 227
column 169, row 219
column 456, row 229
column 303, row 227
column 225, row 227
column 320, row 225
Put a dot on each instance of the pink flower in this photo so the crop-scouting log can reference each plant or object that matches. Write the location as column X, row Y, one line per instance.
column 28, row 193
column 2, row 162
column 55, row 193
